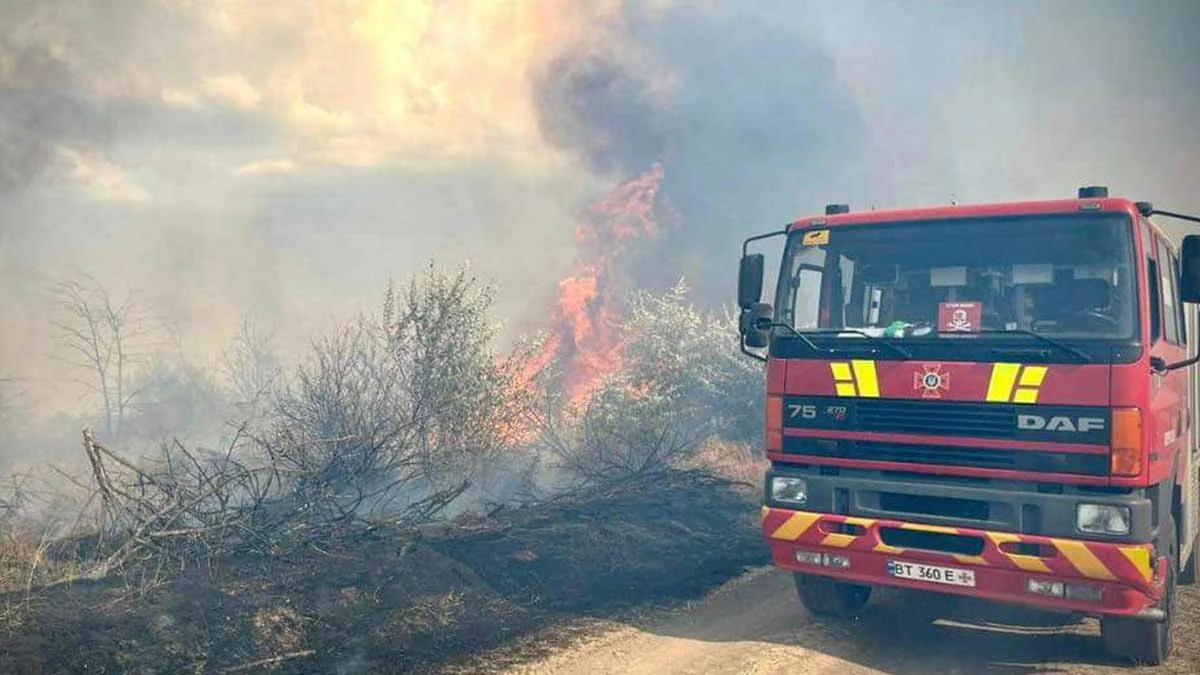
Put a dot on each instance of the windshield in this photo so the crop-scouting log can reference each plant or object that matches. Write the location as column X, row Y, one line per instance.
column 1060, row 276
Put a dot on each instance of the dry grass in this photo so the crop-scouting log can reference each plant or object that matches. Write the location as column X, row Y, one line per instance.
column 736, row 462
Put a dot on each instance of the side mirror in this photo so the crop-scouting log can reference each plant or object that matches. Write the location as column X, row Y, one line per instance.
column 750, row 280
column 1189, row 269
column 755, row 325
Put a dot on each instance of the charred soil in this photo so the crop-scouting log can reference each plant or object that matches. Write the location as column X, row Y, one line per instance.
column 392, row 601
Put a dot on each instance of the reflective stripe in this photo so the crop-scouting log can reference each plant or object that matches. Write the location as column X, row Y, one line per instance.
column 1025, row 396
column 795, row 526
column 841, row 371
column 838, row 540
column 1004, row 376
column 1140, row 557
column 868, row 383
column 929, row 528
column 1083, row 559
column 1028, row 563
column 1032, row 376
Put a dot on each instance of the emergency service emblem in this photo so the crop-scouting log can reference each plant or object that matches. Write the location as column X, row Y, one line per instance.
column 931, row 381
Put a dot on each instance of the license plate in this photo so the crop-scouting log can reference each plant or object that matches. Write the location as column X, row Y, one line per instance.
column 932, row 573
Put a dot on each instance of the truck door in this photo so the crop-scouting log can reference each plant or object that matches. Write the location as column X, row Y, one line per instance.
column 1171, row 395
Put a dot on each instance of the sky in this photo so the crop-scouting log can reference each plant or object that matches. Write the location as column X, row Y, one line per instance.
column 280, row 158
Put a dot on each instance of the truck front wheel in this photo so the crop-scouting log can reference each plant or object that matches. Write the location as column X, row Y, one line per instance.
column 1146, row 642
column 825, row 597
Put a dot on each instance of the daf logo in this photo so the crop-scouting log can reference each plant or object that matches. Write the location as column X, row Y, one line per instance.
column 1058, row 423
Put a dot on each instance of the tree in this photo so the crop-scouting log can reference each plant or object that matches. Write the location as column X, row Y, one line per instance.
column 466, row 402
column 108, row 340
column 253, row 369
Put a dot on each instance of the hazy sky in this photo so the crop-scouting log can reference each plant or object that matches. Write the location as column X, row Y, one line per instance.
column 288, row 157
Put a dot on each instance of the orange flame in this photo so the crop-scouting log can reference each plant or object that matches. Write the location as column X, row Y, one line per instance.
column 584, row 326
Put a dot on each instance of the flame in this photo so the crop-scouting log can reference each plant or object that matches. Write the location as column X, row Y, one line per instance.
column 584, row 330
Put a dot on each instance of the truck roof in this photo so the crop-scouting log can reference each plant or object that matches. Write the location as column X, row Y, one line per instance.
column 1107, row 204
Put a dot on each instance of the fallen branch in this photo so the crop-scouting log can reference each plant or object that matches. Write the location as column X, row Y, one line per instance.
column 274, row 660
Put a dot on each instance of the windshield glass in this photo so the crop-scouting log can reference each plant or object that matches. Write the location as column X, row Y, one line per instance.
column 1061, row 276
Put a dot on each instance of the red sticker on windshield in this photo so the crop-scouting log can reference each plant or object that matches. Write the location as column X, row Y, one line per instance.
column 959, row 317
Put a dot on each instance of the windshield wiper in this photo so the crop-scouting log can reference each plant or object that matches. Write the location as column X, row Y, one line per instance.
column 1083, row 356
column 772, row 324
column 902, row 352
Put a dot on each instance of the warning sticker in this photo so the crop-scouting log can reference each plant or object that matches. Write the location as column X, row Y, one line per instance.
column 815, row 238
column 960, row 317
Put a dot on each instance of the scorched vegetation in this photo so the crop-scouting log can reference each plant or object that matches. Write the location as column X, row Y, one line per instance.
column 404, row 494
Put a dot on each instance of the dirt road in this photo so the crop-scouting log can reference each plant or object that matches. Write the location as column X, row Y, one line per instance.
column 755, row 624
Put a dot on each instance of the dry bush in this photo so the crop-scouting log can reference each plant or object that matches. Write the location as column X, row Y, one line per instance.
column 621, row 435
column 683, row 383
column 734, row 461
column 387, row 421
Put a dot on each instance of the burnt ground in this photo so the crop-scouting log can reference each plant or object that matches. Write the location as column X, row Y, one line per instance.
column 396, row 602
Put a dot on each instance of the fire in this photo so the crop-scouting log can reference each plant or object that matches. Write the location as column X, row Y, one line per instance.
column 584, row 336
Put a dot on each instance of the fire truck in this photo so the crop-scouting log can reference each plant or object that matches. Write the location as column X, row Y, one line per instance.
column 994, row 401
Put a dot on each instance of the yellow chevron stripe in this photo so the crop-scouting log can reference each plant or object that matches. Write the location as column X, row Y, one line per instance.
column 1083, row 559
column 971, row 560
column 999, row 538
column 868, row 383
column 795, row 526
column 1140, row 557
column 763, row 516
column 1029, row 563
column 1032, row 376
column 838, row 540
column 1025, row 395
column 861, row 522
column 928, row 528
column 884, row 548
column 841, row 371
column 1004, row 376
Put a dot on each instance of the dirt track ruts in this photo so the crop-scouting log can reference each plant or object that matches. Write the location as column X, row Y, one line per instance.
column 755, row 624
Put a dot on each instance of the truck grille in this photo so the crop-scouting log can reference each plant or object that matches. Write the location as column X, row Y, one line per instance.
column 981, row 458
column 939, row 419
column 949, row 418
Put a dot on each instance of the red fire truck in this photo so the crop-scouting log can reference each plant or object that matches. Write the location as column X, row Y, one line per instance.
column 993, row 401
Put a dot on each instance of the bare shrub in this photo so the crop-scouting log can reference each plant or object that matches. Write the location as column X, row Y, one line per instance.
column 107, row 339
column 253, row 369
column 622, row 434
column 180, row 506
column 342, row 437
column 397, row 417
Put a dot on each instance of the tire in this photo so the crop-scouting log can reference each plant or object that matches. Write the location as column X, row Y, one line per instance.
column 828, row 598
column 1145, row 642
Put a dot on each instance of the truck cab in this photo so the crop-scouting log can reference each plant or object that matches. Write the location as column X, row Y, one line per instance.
column 991, row 400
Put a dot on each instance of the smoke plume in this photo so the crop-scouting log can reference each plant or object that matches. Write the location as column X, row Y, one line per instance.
column 286, row 159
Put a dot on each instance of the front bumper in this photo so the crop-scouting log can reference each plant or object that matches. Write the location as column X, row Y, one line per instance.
column 1128, row 577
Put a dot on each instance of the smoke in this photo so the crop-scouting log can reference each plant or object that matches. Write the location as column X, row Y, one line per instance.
column 285, row 159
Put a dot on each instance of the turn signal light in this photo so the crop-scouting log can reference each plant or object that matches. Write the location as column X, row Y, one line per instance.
column 1126, row 442
column 774, row 424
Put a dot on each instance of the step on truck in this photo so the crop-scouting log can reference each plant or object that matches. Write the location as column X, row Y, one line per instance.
column 995, row 401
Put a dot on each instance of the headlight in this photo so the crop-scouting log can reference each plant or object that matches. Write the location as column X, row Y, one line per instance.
column 789, row 490
column 1102, row 519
